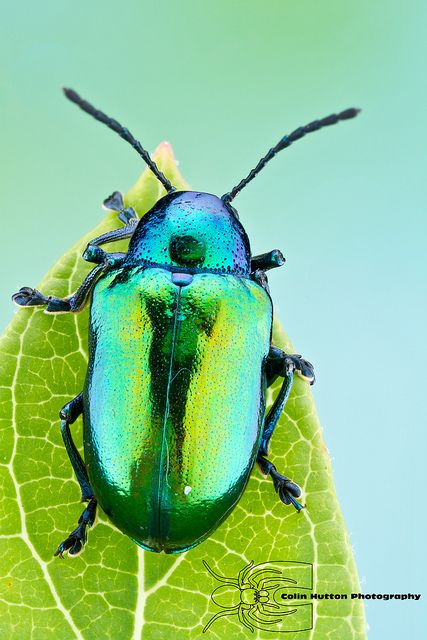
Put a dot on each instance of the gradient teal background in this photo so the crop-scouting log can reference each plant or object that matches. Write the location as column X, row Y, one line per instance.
column 223, row 81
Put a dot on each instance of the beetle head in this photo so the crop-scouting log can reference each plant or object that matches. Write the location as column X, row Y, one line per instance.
column 191, row 230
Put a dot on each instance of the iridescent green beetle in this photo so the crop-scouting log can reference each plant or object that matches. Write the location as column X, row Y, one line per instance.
column 180, row 358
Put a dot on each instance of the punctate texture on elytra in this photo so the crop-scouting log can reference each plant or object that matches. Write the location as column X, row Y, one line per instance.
column 115, row 589
column 167, row 479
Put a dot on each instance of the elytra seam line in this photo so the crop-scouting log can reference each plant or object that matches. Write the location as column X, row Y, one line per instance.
column 161, row 478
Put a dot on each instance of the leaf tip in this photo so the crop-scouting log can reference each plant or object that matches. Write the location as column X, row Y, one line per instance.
column 165, row 152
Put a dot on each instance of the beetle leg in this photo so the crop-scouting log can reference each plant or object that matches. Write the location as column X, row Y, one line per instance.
column 28, row 297
column 280, row 363
column 115, row 203
column 262, row 263
column 266, row 261
column 69, row 414
column 77, row 538
column 275, row 412
column 93, row 252
column 288, row 491
column 128, row 215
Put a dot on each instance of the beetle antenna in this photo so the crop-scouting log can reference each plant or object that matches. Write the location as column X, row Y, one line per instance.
column 286, row 141
column 123, row 133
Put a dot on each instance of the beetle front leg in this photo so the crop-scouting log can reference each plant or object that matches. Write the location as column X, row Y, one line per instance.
column 77, row 538
column 93, row 252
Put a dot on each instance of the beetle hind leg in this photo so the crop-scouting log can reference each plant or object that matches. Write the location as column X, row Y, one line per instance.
column 287, row 489
column 78, row 538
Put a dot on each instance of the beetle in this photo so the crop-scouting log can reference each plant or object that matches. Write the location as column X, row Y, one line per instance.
column 180, row 358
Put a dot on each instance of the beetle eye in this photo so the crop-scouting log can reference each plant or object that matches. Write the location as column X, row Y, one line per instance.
column 187, row 250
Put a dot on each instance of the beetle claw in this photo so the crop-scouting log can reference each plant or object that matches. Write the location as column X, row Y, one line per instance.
column 303, row 367
column 78, row 538
column 115, row 203
column 288, row 491
column 74, row 543
column 28, row 297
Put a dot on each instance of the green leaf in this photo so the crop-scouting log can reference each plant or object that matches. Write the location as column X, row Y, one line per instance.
column 114, row 589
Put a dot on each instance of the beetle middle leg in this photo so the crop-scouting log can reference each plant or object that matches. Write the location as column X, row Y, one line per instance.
column 281, row 364
column 77, row 538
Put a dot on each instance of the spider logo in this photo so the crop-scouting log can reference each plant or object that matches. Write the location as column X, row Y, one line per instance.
column 256, row 606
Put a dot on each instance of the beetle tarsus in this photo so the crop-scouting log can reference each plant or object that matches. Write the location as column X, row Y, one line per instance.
column 298, row 364
column 78, row 538
column 288, row 490
column 28, row 297
column 282, row 364
column 115, row 203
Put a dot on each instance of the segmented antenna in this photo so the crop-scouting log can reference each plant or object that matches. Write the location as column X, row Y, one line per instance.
column 123, row 133
column 286, row 141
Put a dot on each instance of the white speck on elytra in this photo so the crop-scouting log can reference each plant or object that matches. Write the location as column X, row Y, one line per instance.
column 187, row 490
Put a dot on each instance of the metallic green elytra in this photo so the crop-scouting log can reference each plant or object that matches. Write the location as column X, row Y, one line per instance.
column 180, row 358
column 170, row 467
